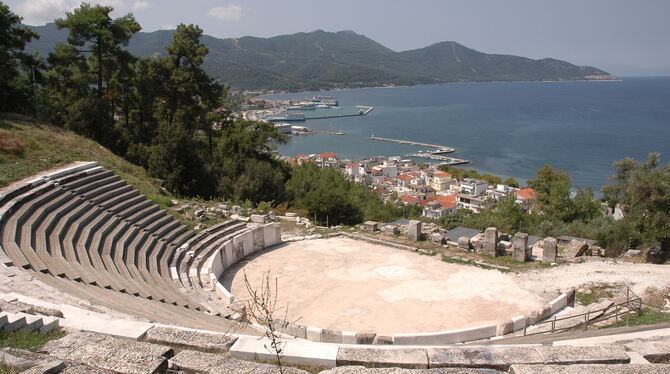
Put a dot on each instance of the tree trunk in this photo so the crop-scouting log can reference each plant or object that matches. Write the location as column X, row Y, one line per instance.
column 100, row 65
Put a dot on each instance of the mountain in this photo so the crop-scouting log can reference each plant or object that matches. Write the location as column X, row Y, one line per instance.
column 321, row 59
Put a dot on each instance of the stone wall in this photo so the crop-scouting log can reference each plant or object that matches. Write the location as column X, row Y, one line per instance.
column 234, row 250
column 520, row 322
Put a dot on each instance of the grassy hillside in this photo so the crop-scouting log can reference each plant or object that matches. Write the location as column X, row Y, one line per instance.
column 27, row 147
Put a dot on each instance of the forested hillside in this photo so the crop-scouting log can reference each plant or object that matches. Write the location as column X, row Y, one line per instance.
column 322, row 59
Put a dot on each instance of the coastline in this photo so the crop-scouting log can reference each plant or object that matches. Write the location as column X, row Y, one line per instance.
column 618, row 79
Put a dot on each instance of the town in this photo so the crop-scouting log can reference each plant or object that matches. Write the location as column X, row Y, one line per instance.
column 437, row 192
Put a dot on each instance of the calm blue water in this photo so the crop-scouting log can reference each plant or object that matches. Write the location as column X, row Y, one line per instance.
column 509, row 129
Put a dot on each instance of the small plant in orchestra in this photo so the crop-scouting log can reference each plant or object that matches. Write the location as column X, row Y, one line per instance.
column 264, row 309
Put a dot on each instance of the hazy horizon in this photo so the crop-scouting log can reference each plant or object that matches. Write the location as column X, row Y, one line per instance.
column 625, row 38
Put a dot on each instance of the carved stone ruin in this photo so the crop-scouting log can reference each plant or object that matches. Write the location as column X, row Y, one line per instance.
column 549, row 250
column 491, row 241
column 371, row 226
column 521, row 252
column 414, row 230
column 391, row 230
column 575, row 248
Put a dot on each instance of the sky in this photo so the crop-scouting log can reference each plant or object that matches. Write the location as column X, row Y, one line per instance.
column 625, row 38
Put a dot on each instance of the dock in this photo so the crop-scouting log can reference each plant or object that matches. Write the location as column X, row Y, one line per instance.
column 327, row 132
column 440, row 149
column 364, row 110
column 447, row 160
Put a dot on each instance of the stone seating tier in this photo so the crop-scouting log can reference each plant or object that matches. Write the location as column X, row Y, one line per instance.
column 83, row 228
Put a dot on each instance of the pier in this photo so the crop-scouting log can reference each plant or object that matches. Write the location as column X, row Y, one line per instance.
column 364, row 110
column 327, row 132
column 447, row 160
column 440, row 149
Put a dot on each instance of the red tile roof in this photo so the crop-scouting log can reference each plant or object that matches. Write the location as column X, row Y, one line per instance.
column 327, row 155
column 442, row 174
column 410, row 199
column 405, row 177
column 450, row 205
column 526, row 193
column 445, row 199
column 424, row 202
column 352, row 165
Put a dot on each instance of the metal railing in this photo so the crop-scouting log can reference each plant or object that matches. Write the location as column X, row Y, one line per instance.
column 623, row 309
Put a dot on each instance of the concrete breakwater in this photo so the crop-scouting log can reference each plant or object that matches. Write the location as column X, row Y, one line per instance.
column 439, row 148
column 437, row 154
column 364, row 110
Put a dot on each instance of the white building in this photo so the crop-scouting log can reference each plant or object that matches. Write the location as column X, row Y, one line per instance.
column 473, row 187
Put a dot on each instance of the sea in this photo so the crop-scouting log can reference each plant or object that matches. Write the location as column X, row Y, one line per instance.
column 507, row 129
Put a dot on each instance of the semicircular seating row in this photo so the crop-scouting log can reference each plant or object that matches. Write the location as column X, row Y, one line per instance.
column 88, row 227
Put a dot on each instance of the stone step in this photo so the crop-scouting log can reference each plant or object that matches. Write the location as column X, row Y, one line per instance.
column 49, row 324
column 12, row 322
column 198, row 339
column 590, row 369
column 105, row 352
column 501, row 357
column 29, row 362
column 211, row 363
column 365, row 370
column 33, row 322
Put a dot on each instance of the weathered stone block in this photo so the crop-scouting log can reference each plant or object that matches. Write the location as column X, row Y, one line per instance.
column 349, row 337
column 190, row 338
column 574, row 249
column 330, row 336
column 229, row 251
column 313, row 334
column 464, row 243
column 294, row 329
column 492, row 357
column 259, row 218
column 549, row 250
column 491, row 242
column 521, row 251
column 371, row 226
column 391, row 230
column 258, row 238
column 437, row 237
column 382, row 340
column 568, row 355
column 383, row 357
column 491, row 235
column 590, row 369
column 365, row 337
column 105, row 352
column 201, row 362
column 414, row 230
column 505, row 327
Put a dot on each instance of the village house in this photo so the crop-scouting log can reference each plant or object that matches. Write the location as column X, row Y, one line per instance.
column 441, row 181
column 440, row 207
column 473, row 203
column 473, row 187
column 527, row 198
column 353, row 170
column 327, row 159
column 410, row 200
